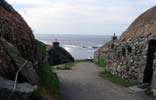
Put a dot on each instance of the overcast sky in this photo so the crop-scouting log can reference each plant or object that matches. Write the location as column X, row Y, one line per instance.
column 80, row 16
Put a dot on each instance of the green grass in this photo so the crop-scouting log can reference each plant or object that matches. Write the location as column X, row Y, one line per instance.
column 48, row 79
column 117, row 80
column 150, row 93
column 113, row 78
column 41, row 48
column 101, row 63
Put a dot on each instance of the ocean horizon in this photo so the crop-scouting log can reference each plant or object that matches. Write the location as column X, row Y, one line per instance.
column 79, row 46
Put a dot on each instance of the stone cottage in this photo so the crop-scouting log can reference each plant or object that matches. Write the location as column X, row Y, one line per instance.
column 17, row 55
column 58, row 55
column 131, row 56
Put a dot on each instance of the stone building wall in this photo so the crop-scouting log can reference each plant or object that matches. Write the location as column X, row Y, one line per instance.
column 126, row 59
column 132, row 56
column 153, row 85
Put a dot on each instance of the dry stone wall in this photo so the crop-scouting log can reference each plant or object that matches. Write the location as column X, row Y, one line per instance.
column 126, row 59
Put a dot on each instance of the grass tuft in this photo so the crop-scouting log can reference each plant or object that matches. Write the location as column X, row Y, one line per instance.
column 118, row 80
column 101, row 63
column 48, row 82
column 150, row 93
column 41, row 48
column 49, row 79
column 114, row 78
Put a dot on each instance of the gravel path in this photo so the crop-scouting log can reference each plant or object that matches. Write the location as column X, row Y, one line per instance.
column 83, row 83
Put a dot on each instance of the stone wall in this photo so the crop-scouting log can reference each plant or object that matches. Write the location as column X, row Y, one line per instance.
column 126, row 59
column 23, row 90
column 153, row 85
column 127, row 56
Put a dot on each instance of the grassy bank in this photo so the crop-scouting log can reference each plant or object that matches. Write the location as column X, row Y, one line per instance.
column 113, row 78
column 117, row 80
column 150, row 93
column 49, row 79
column 101, row 63
column 48, row 83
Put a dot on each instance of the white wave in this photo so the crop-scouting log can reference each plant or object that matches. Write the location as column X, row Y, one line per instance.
column 45, row 42
column 72, row 46
column 90, row 47
column 100, row 45
column 67, row 48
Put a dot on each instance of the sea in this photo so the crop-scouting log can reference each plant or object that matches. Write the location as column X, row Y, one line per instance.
column 79, row 46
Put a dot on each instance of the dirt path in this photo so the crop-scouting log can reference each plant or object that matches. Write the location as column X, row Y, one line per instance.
column 83, row 83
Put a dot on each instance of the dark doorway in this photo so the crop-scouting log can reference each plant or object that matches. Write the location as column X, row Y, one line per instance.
column 148, row 72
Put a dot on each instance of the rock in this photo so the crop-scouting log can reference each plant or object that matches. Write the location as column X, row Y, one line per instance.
column 23, row 90
column 154, row 92
column 118, row 68
column 94, row 47
column 62, row 67
column 154, row 75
